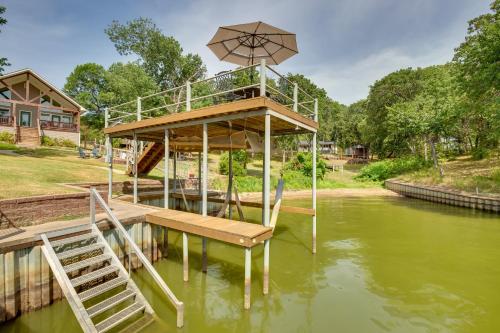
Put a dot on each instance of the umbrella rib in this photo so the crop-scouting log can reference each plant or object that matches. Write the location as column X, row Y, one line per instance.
column 282, row 45
column 231, row 51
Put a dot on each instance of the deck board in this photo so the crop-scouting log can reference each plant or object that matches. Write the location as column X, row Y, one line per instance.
column 229, row 231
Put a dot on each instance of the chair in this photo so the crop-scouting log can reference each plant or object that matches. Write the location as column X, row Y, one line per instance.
column 82, row 153
column 95, row 153
column 224, row 82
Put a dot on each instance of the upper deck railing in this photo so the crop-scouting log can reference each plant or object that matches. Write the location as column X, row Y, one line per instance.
column 242, row 83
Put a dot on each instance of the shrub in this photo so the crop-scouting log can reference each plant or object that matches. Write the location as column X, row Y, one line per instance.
column 303, row 162
column 386, row 169
column 7, row 137
column 56, row 142
column 240, row 159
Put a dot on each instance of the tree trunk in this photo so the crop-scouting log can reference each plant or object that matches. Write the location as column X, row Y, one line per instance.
column 435, row 158
column 425, row 151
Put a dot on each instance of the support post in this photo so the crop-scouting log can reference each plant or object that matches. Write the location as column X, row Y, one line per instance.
column 166, row 170
column 139, row 118
column 199, row 180
column 109, row 155
column 230, row 189
column 263, row 77
column 267, row 203
column 248, row 276
column 175, row 178
column 204, row 194
column 185, row 264
column 188, row 96
column 295, row 97
column 135, row 167
column 314, row 178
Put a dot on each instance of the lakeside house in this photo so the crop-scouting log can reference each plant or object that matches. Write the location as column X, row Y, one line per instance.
column 31, row 107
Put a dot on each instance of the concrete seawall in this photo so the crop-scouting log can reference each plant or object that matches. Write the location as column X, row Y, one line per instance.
column 449, row 197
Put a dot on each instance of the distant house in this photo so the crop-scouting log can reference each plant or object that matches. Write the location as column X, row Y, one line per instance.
column 325, row 147
column 31, row 107
column 357, row 151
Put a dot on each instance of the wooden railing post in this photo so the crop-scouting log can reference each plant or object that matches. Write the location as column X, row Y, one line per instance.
column 188, row 96
column 295, row 97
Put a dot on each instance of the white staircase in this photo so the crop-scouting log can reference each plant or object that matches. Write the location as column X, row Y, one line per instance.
column 98, row 288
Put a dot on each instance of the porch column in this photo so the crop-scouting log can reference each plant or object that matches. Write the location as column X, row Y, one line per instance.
column 204, row 190
column 135, row 167
column 314, row 178
column 175, row 178
column 267, row 203
column 166, row 170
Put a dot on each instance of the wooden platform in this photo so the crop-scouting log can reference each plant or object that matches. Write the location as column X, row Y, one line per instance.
column 247, row 114
column 240, row 233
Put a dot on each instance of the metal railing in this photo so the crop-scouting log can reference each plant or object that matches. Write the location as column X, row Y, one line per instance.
column 242, row 83
column 96, row 197
column 6, row 120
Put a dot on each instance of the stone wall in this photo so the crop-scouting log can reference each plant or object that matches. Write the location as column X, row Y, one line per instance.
column 445, row 196
column 20, row 212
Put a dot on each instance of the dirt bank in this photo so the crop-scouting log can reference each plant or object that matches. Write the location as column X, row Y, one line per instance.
column 341, row 192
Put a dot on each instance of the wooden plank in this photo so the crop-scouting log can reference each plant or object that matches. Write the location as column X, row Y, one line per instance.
column 146, row 241
column 2, row 289
column 23, row 268
column 45, row 281
column 10, row 285
column 229, row 231
column 35, row 297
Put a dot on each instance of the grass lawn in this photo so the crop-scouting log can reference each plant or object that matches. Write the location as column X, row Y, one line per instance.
column 29, row 172
column 462, row 173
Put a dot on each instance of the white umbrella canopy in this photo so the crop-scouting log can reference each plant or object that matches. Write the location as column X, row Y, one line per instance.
column 246, row 44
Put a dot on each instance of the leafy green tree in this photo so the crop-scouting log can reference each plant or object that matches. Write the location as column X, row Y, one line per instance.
column 478, row 68
column 88, row 85
column 349, row 124
column 161, row 56
column 397, row 87
column 3, row 61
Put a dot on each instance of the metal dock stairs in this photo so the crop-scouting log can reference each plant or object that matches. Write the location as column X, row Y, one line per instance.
column 97, row 286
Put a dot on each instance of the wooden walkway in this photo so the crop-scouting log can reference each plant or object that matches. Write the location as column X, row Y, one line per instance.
column 244, row 234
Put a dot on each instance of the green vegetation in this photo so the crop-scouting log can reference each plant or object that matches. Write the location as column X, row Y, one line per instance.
column 3, row 61
column 382, row 170
column 57, row 142
column 7, row 137
column 240, row 159
column 303, row 162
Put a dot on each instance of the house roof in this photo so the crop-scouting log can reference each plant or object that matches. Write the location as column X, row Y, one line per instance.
column 43, row 81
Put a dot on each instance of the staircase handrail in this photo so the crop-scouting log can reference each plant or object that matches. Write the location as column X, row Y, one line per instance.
column 179, row 306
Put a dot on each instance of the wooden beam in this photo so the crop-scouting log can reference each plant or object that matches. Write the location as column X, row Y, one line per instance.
column 12, row 90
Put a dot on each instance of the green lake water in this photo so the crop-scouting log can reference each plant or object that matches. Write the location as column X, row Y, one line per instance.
column 383, row 265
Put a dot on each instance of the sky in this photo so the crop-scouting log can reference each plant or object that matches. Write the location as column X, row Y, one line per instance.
column 344, row 45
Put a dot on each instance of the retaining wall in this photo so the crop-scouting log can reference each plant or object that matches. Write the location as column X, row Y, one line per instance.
column 448, row 197
column 27, row 282
column 21, row 212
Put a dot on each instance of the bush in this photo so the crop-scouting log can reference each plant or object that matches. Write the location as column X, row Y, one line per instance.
column 303, row 162
column 55, row 142
column 7, row 137
column 382, row 170
column 240, row 159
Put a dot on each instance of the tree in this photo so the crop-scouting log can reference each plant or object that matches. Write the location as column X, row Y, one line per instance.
column 397, row 87
column 161, row 56
column 349, row 124
column 478, row 68
column 3, row 21
column 87, row 84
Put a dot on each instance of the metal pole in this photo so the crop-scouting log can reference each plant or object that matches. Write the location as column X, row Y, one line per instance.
column 185, row 256
column 314, row 178
column 92, row 206
column 263, row 77
column 139, row 118
column 295, row 97
column 230, row 192
column 248, row 276
column 204, row 194
column 135, row 167
column 267, row 203
column 199, row 180
column 166, row 170
column 109, row 148
column 188, row 96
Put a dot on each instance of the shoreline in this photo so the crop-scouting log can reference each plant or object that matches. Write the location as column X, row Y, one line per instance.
column 331, row 193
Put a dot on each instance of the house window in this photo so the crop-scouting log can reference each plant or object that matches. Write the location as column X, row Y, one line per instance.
column 66, row 119
column 56, row 119
column 5, row 94
column 4, row 112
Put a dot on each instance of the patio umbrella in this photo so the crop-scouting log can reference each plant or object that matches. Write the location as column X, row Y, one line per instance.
column 246, row 44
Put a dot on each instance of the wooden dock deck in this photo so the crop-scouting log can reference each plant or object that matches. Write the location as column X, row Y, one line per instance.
column 244, row 234
column 228, row 231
